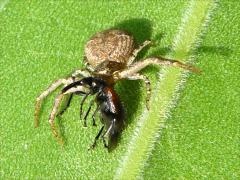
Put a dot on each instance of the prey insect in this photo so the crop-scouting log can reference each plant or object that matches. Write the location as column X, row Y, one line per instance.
column 109, row 57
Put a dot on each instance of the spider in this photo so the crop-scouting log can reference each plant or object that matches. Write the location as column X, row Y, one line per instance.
column 109, row 57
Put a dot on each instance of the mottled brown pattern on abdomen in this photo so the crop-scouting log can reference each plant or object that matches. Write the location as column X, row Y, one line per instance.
column 109, row 45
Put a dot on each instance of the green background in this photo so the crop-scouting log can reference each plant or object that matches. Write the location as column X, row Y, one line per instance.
column 202, row 138
column 42, row 41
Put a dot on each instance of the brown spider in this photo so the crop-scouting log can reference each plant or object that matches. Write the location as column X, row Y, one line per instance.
column 109, row 57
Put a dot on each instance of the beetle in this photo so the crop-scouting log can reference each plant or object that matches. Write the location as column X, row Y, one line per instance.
column 109, row 57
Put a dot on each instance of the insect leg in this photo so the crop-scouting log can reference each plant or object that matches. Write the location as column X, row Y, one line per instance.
column 81, row 103
column 66, row 105
column 86, row 115
column 106, row 133
column 96, row 138
column 94, row 115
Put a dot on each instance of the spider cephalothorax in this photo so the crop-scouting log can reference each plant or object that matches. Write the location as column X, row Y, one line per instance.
column 109, row 57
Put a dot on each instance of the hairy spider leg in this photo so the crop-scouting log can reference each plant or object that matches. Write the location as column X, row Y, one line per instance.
column 74, row 88
column 45, row 93
column 52, row 117
column 67, row 104
column 132, row 71
column 56, row 105
column 138, row 76
column 136, row 51
column 138, row 66
column 81, row 105
column 53, row 87
column 81, row 73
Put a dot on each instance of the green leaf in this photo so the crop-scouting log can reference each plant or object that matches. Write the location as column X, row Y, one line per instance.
column 41, row 41
column 201, row 138
column 148, row 131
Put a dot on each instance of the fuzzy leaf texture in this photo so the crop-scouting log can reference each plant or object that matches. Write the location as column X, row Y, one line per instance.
column 41, row 41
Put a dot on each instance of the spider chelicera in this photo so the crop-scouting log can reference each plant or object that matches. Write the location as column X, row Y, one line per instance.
column 109, row 57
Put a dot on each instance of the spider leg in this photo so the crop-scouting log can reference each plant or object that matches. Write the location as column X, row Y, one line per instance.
column 138, row 66
column 52, row 117
column 75, row 74
column 96, row 138
column 81, row 73
column 44, row 94
column 136, row 51
column 86, row 115
column 77, row 89
column 148, row 85
column 57, row 102
column 67, row 104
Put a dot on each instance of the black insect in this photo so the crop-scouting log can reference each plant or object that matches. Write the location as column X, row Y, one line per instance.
column 109, row 105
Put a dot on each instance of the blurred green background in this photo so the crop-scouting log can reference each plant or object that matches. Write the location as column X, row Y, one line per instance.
column 41, row 41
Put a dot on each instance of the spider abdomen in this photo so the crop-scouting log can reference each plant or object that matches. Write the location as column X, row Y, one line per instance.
column 110, row 45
